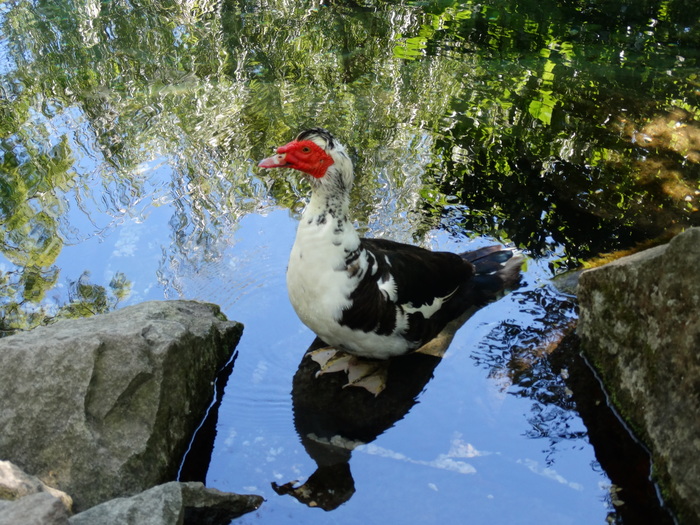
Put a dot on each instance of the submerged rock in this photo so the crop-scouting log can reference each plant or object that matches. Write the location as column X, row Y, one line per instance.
column 640, row 326
column 170, row 504
column 105, row 407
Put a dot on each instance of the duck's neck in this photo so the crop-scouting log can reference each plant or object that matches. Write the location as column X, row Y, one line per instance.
column 325, row 206
column 330, row 196
column 328, row 213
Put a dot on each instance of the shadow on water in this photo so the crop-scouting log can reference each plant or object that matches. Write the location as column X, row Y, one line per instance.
column 626, row 461
column 197, row 458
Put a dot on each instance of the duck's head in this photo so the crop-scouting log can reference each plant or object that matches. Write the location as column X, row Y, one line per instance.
column 318, row 154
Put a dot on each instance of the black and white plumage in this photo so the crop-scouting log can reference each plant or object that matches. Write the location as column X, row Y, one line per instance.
column 374, row 298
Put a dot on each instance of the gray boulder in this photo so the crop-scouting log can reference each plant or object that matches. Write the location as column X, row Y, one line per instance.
column 16, row 484
column 640, row 326
column 40, row 508
column 172, row 503
column 105, row 407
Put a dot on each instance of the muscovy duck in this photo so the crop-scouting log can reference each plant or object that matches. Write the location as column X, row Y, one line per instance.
column 373, row 298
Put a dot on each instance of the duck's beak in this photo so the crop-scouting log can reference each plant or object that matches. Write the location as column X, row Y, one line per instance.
column 276, row 161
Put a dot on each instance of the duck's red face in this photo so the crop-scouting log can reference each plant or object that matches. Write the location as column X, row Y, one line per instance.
column 302, row 155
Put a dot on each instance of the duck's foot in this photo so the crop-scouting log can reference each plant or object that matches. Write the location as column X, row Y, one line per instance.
column 330, row 360
column 370, row 374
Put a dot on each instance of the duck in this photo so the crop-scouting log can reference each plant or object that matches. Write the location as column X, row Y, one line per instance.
column 373, row 299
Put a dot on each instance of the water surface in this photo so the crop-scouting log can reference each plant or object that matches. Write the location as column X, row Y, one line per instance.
column 129, row 135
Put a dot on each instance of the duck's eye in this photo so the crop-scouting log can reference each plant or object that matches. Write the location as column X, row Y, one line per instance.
column 306, row 149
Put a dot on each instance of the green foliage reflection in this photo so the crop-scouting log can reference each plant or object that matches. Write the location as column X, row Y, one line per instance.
column 562, row 126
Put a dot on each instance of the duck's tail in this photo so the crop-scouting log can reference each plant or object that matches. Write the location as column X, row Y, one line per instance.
column 498, row 271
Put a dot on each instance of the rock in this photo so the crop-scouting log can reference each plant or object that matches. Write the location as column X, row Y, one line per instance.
column 170, row 504
column 40, row 508
column 106, row 406
column 205, row 506
column 16, row 484
column 640, row 327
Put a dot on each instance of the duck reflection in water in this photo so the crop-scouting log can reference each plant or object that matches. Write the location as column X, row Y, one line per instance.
column 332, row 419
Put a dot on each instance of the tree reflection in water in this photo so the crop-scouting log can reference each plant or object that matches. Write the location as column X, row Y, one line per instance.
column 539, row 358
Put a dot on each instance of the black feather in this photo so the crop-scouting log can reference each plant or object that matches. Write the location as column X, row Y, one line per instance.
column 472, row 279
column 308, row 134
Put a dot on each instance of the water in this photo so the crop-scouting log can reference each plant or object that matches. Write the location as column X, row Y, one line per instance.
column 129, row 136
column 462, row 452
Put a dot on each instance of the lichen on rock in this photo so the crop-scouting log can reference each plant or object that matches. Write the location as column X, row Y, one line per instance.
column 640, row 327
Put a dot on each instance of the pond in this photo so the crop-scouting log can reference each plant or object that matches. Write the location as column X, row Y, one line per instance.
column 129, row 135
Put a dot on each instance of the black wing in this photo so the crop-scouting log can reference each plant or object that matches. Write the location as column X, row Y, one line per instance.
column 420, row 276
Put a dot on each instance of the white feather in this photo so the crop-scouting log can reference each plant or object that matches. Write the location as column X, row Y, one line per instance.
column 388, row 288
column 428, row 309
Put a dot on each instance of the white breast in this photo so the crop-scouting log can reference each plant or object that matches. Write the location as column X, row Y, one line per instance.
column 318, row 287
